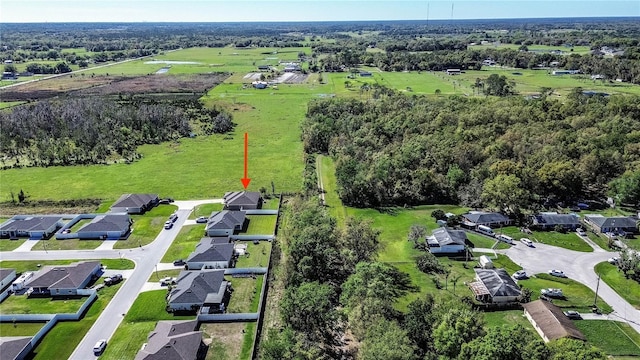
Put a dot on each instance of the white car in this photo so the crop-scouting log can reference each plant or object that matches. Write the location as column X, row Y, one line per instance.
column 557, row 273
column 556, row 293
column 613, row 260
column 527, row 242
column 168, row 281
column 99, row 347
column 581, row 232
column 520, row 274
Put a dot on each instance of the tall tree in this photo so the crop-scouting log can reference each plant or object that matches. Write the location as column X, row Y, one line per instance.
column 457, row 327
column 385, row 340
column 506, row 193
column 309, row 309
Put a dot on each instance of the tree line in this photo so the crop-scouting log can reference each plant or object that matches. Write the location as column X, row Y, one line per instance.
column 97, row 130
column 508, row 153
column 339, row 303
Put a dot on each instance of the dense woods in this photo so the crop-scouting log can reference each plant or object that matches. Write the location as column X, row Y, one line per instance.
column 502, row 152
column 98, row 130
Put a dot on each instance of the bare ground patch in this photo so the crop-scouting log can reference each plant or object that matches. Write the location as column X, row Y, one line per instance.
column 291, row 78
column 224, row 340
column 195, row 83
column 44, row 89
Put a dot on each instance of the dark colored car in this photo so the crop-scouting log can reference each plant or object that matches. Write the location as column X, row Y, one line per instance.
column 179, row 262
column 113, row 279
column 573, row 315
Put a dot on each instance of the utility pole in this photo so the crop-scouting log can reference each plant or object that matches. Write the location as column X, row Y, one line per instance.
column 595, row 300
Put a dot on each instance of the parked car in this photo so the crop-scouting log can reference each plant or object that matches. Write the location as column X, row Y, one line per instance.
column 179, row 262
column 167, row 281
column 613, row 260
column 168, row 225
column 173, row 217
column 527, row 242
column 506, row 238
column 571, row 314
column 202, row 220
column 520, row 274
column 99, row 347
column 557, row 273
column 556, row 293
column 113, row 279
column 581, row 232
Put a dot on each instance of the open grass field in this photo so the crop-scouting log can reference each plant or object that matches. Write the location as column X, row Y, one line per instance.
column 568, row 240
column 32, row 265
column 577, row 296
column 20, row 329
column 627, row 288
column 22, row 305
column 65, row 336
column 612, row 337
column 186, row 241
column 204, row 210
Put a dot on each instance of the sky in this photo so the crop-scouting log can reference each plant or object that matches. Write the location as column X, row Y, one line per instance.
column 301, row 10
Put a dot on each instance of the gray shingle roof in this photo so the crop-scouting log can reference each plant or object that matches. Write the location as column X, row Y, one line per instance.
column 498, row 282
column 209, row 250
column 12, row 346
column 226, row 219
column 5, row 272
column 30, row 223
column 197, row 286
column 172, row 340
column 242, row 198
column 611, row 222
column 551, row 321
column 446, row 236
column 63, row 276
column 134, row 200
column 551, row 219
column 485, row 217
column 119, row 223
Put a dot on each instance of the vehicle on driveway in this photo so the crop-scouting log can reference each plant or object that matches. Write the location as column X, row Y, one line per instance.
column 613, row 260
column 506, row 238
column 557, row 273
column 167, row 281
column 99, row 347
column 168, row 225
column 202, row 220
column 527, row 242
column 554, row 293
column 179, row 262
column 520, row 275
column 581, row 232
column 571, row 314
column 113, row 279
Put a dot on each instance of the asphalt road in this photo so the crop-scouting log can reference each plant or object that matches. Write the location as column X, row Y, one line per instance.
column 578, row 266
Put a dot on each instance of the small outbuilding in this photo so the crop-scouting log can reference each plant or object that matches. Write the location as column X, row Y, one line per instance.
column 485, row 262
column 550, row 322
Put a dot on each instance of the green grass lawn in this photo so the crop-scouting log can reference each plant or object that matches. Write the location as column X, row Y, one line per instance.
column 577, row 296
column 184, row 244
column 20, row 329
column 627, row 288
column 568, row 240
column 226, row 339
column 23, row 305
column 150, row 306
column 205, row 210
column 156, row 276
column 68, row 244
column 146, row 227
column 261, row 224
column 258, row 255
column 245, row 292
column 612, row 337
column 507, row 318
column 248, row 341
column 10, row 245
column 66, row 335
column 32, row 265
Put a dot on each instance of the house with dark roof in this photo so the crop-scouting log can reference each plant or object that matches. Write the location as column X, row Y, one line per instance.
column 135, row 203
column 63, row 280
column 15, row 347
column 174, row 340
column 491, row 219
column 447, row 241
column 205, row 290
column 494, row 286
column 225, row 223
column 615, row 224
column 550, row 322
column 30, row 226
column 551, row 220
column 108, row 226
column 242, row 200
column 211, row 253
column 6, row 277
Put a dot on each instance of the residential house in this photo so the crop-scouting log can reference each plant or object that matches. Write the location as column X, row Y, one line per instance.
column 211, row 253
column 614, row 224
column 551, row 220
column 135, row 203
column 550, row 322
column 6, row 277
column 110, row 227
column 174, row 340
column 491, row 219
column 63, row 280
column 453, row 72
column 225, row 222
column 15, row 347
column 447, row 241
column 242, row 200
column 31, row 226
column 495, row 286
column 205, row 290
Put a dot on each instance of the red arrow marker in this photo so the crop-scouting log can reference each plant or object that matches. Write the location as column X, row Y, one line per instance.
column 245, row 180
